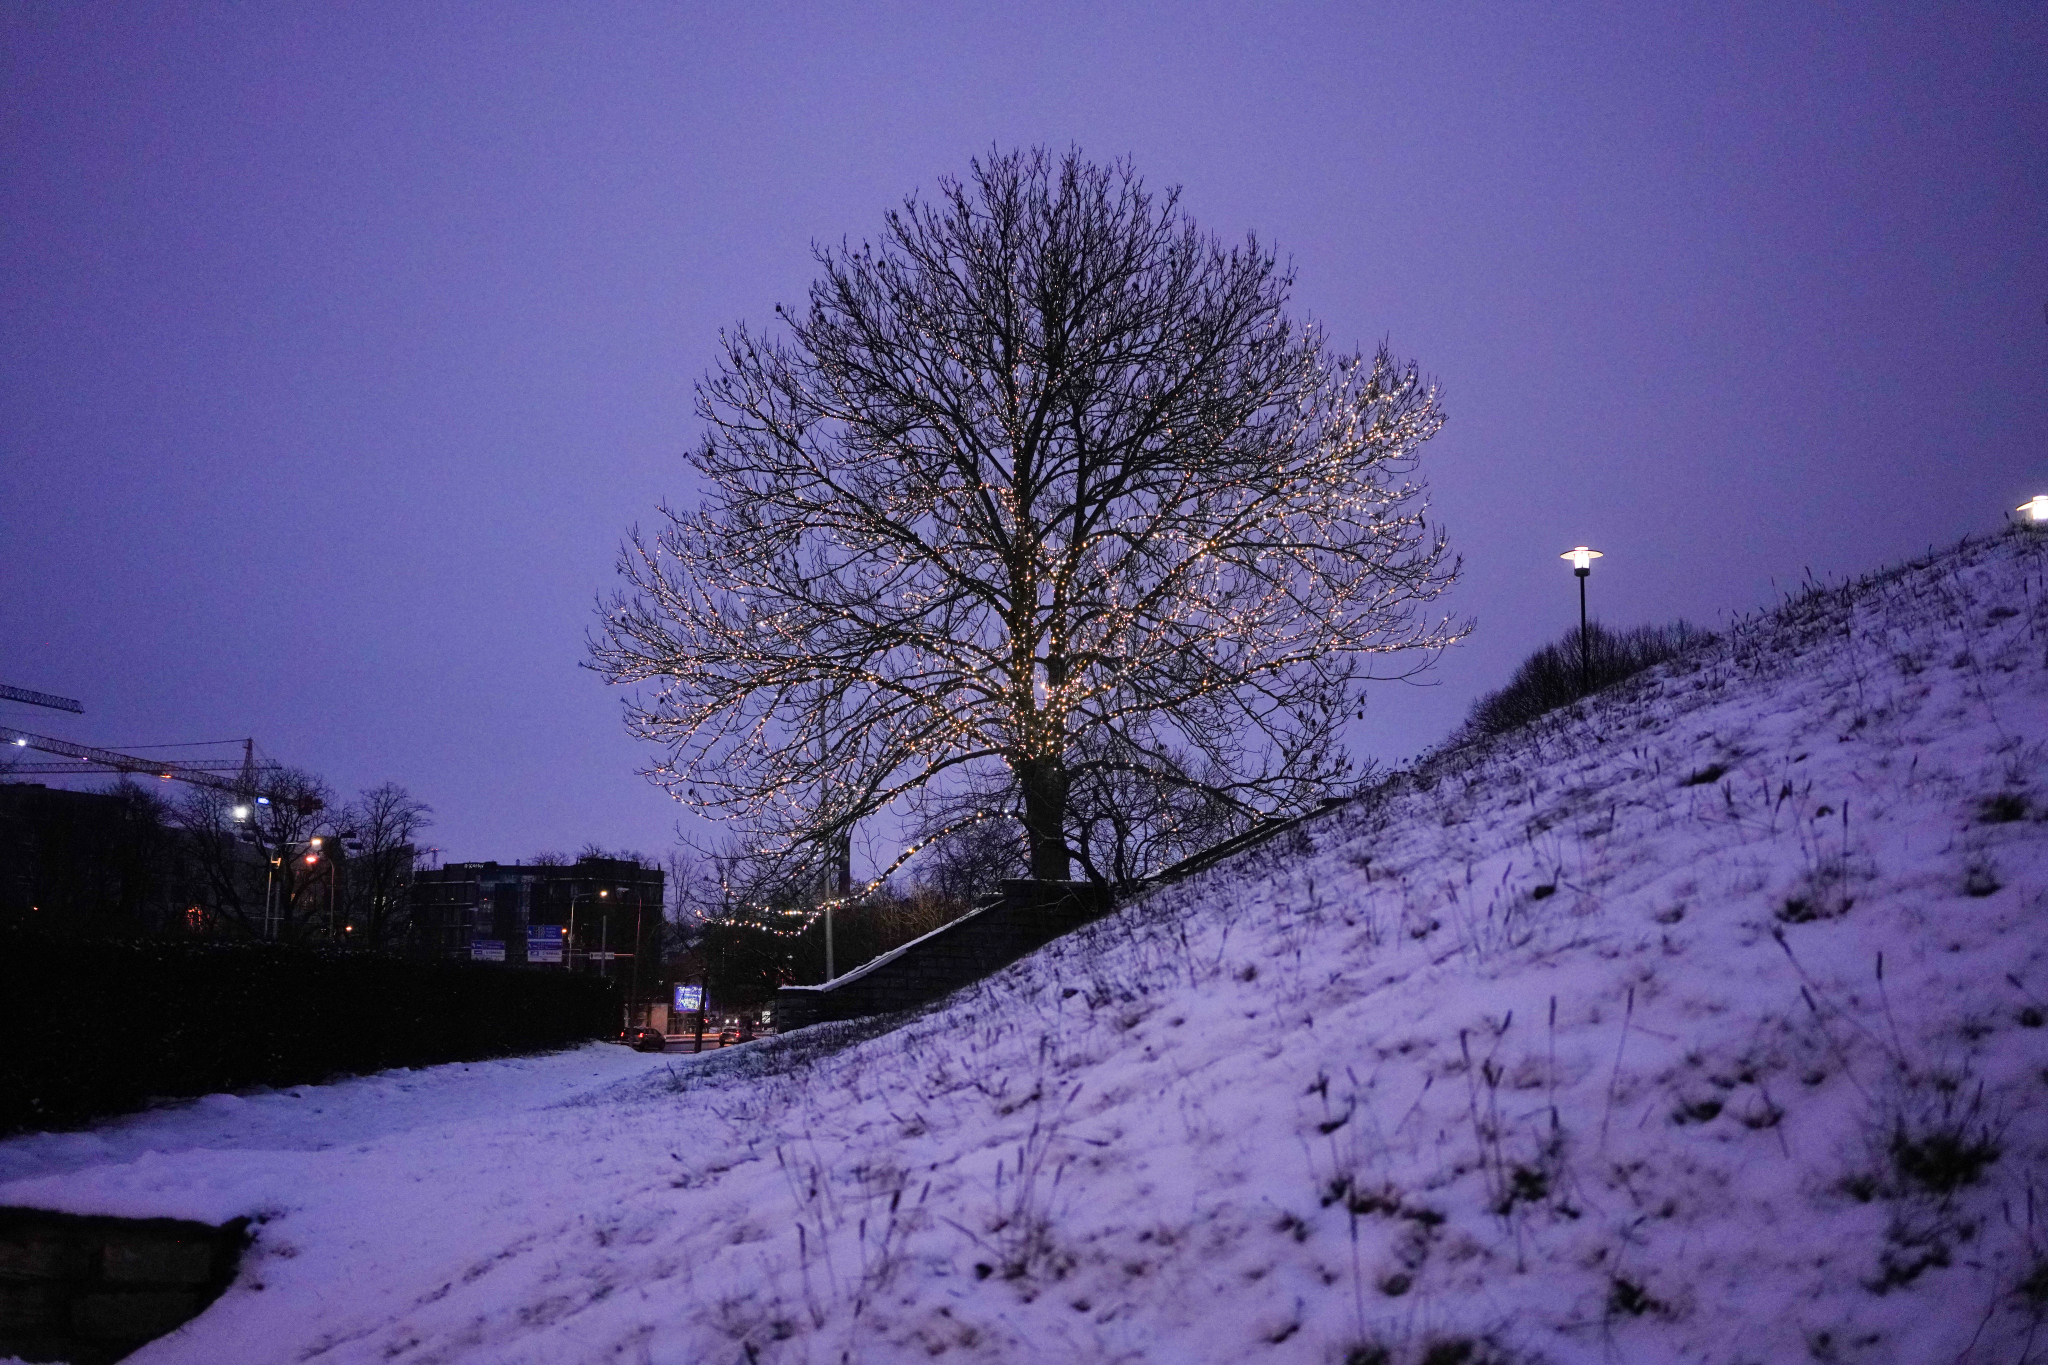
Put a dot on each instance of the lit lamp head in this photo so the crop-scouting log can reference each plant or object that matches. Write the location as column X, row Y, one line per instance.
column 241, row 812
column 1582, row 560
column 2034, row 512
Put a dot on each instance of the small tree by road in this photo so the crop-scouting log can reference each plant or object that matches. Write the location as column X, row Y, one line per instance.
column 385, row 823
column 1042, row 498
column 249, row 851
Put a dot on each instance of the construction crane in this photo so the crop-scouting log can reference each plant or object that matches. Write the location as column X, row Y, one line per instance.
column 201, row 773
column 34, row 698
column 88, row 765
column 198, row 772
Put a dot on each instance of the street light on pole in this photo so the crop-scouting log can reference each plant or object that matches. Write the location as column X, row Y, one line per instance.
column 1582, row 566
column 639, row 910
column 2034, row 512
column 569, row 949
column 274, row 859
column 316, row 849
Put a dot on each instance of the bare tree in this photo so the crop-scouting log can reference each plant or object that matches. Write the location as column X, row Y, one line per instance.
column 1127, row 820
column 252, row 849
column 386, row 822
column 968, row 862
column 594, row 850
column 1042, row 485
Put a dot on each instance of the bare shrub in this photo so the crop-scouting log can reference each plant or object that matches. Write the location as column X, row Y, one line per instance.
column 1945, row 1146
column 2002, row 808
column 1561, row 673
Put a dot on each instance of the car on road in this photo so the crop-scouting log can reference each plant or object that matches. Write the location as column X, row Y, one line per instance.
column 643, row 1039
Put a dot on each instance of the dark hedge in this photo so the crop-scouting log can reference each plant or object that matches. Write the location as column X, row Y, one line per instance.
column 92, row 1028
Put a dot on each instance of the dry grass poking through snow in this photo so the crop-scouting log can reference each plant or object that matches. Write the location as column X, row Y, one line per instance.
column 1703, row 1022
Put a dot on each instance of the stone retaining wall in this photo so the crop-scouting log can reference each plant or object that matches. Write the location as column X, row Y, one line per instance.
column 1028, row 915
column 90, row 1290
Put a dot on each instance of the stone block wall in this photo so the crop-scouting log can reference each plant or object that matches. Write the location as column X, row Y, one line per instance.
column 90, row 1290
column 1026, row 916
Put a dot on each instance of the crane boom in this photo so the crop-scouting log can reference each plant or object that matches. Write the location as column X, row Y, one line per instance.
column 87, row 765
column 108, row 760
column 34, row 698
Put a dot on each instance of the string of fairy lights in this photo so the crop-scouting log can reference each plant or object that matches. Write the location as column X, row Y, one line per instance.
column 913, row 596
column 805, row 917
column 791, row 637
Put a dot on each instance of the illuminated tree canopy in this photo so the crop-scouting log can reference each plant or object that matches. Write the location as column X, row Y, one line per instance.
column 1043, row 494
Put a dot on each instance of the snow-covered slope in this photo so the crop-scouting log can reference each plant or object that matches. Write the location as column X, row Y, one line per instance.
column 1705, row 1024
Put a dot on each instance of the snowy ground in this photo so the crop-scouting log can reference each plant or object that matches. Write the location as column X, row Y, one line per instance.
column 1705, row 1025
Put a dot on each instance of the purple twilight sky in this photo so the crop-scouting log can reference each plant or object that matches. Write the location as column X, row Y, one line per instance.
column 344, row 342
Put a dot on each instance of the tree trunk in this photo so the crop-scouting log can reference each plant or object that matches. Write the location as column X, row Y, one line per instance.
column 1045, row 816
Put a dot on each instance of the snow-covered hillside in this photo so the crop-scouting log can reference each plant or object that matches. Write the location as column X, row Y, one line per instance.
column 1705, row 1024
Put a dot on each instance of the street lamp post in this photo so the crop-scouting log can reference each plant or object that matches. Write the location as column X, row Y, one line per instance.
column 273, row 909
column 241, row 815
column 639, row 910
column 273, row 905
column 1582, row 567
column 316, row 849
column 703, row 994
column 316, row 852
column 569, row 949
column 313, row 860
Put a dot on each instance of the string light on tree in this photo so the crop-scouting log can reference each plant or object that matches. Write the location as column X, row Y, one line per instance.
column 1043, row 508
